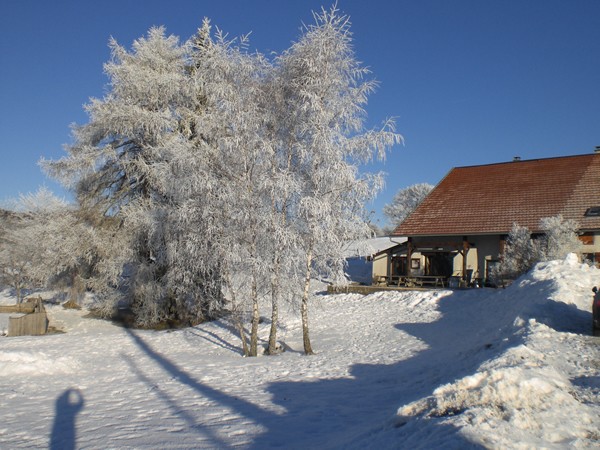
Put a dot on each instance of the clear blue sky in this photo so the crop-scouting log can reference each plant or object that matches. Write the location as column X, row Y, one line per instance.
column 469, row 81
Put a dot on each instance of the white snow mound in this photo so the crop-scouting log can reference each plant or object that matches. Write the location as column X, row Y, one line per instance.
column 525, row 394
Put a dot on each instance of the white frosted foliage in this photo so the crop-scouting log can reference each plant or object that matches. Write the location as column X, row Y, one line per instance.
column 232, row 178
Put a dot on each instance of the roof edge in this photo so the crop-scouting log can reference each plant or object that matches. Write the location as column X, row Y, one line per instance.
column 520, row 161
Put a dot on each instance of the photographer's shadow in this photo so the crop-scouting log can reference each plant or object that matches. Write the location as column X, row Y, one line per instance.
column 64, row 431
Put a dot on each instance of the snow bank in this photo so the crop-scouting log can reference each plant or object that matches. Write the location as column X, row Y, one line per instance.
column 503, row 405
column 525, row 397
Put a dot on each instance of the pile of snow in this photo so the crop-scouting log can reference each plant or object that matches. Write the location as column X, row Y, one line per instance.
column 524, row 397
column 506, row 368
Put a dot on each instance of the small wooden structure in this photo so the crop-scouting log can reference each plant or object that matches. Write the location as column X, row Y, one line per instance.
column 33, row 322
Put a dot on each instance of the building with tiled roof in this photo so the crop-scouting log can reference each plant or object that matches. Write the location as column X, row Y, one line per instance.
column 473, row 208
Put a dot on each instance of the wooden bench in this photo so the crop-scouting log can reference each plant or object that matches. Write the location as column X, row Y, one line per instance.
column 380, row 280
column 410, row 281
column 425, row 280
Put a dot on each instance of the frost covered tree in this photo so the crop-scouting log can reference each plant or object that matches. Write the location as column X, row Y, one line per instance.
column 69, row 246
column 16, row 246
column 560, row 237
column 223, row 176
column 325, row 93
column 521, row 252
column 55, row 259
column 120, row 167
column 56, row 246
column 405, row 202
column 226, row 179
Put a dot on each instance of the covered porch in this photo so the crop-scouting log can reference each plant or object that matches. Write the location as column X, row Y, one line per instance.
column 433, row 262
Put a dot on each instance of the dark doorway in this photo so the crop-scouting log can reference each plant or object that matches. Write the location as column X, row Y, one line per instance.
column 398, row 265
column 439, row 264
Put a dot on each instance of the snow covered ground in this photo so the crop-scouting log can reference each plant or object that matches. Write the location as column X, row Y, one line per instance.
column 513, row 368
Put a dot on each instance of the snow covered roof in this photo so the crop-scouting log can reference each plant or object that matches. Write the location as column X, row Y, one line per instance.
column 373, row 246
column 488, row 199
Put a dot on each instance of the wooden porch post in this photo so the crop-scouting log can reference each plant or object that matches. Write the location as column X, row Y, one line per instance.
column 409, row 250
column 465, row 250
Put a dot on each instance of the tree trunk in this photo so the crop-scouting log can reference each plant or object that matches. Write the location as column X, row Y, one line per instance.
column 75, row 291
column 239, row 324
column 240, row 327
column 237, row 315
column 276, row 279
column 18, row 292
column 255, row 319
column 304, row 307
column 272, row 350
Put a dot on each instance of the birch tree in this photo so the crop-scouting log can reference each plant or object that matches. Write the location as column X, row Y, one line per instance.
column 228, row 179
column 325, row 95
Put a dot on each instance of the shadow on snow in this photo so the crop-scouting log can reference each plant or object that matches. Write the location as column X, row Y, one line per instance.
column 359, row 412
column 64, row 434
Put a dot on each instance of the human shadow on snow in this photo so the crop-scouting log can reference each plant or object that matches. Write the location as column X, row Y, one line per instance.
column 64, row 430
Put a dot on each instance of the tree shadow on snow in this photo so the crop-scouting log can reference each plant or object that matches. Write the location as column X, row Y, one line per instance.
column 360, row 411
column 345, row 412
column 215, row 339
column 215, row 396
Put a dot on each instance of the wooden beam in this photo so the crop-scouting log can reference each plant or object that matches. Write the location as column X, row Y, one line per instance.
column 409, row 251
column 465, row 251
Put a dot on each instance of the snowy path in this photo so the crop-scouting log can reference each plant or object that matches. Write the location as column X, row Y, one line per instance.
column 437, row 357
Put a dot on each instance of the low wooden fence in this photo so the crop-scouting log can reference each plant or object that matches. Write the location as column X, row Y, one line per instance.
column 366, row 290
column 34, row 322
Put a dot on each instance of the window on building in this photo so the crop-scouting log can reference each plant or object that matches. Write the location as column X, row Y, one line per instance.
column 593, row 211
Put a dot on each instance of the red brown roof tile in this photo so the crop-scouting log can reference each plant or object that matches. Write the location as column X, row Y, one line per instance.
column 488, row 199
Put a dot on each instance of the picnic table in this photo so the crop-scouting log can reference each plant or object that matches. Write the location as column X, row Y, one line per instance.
column 411, row 281
column 424, row 280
